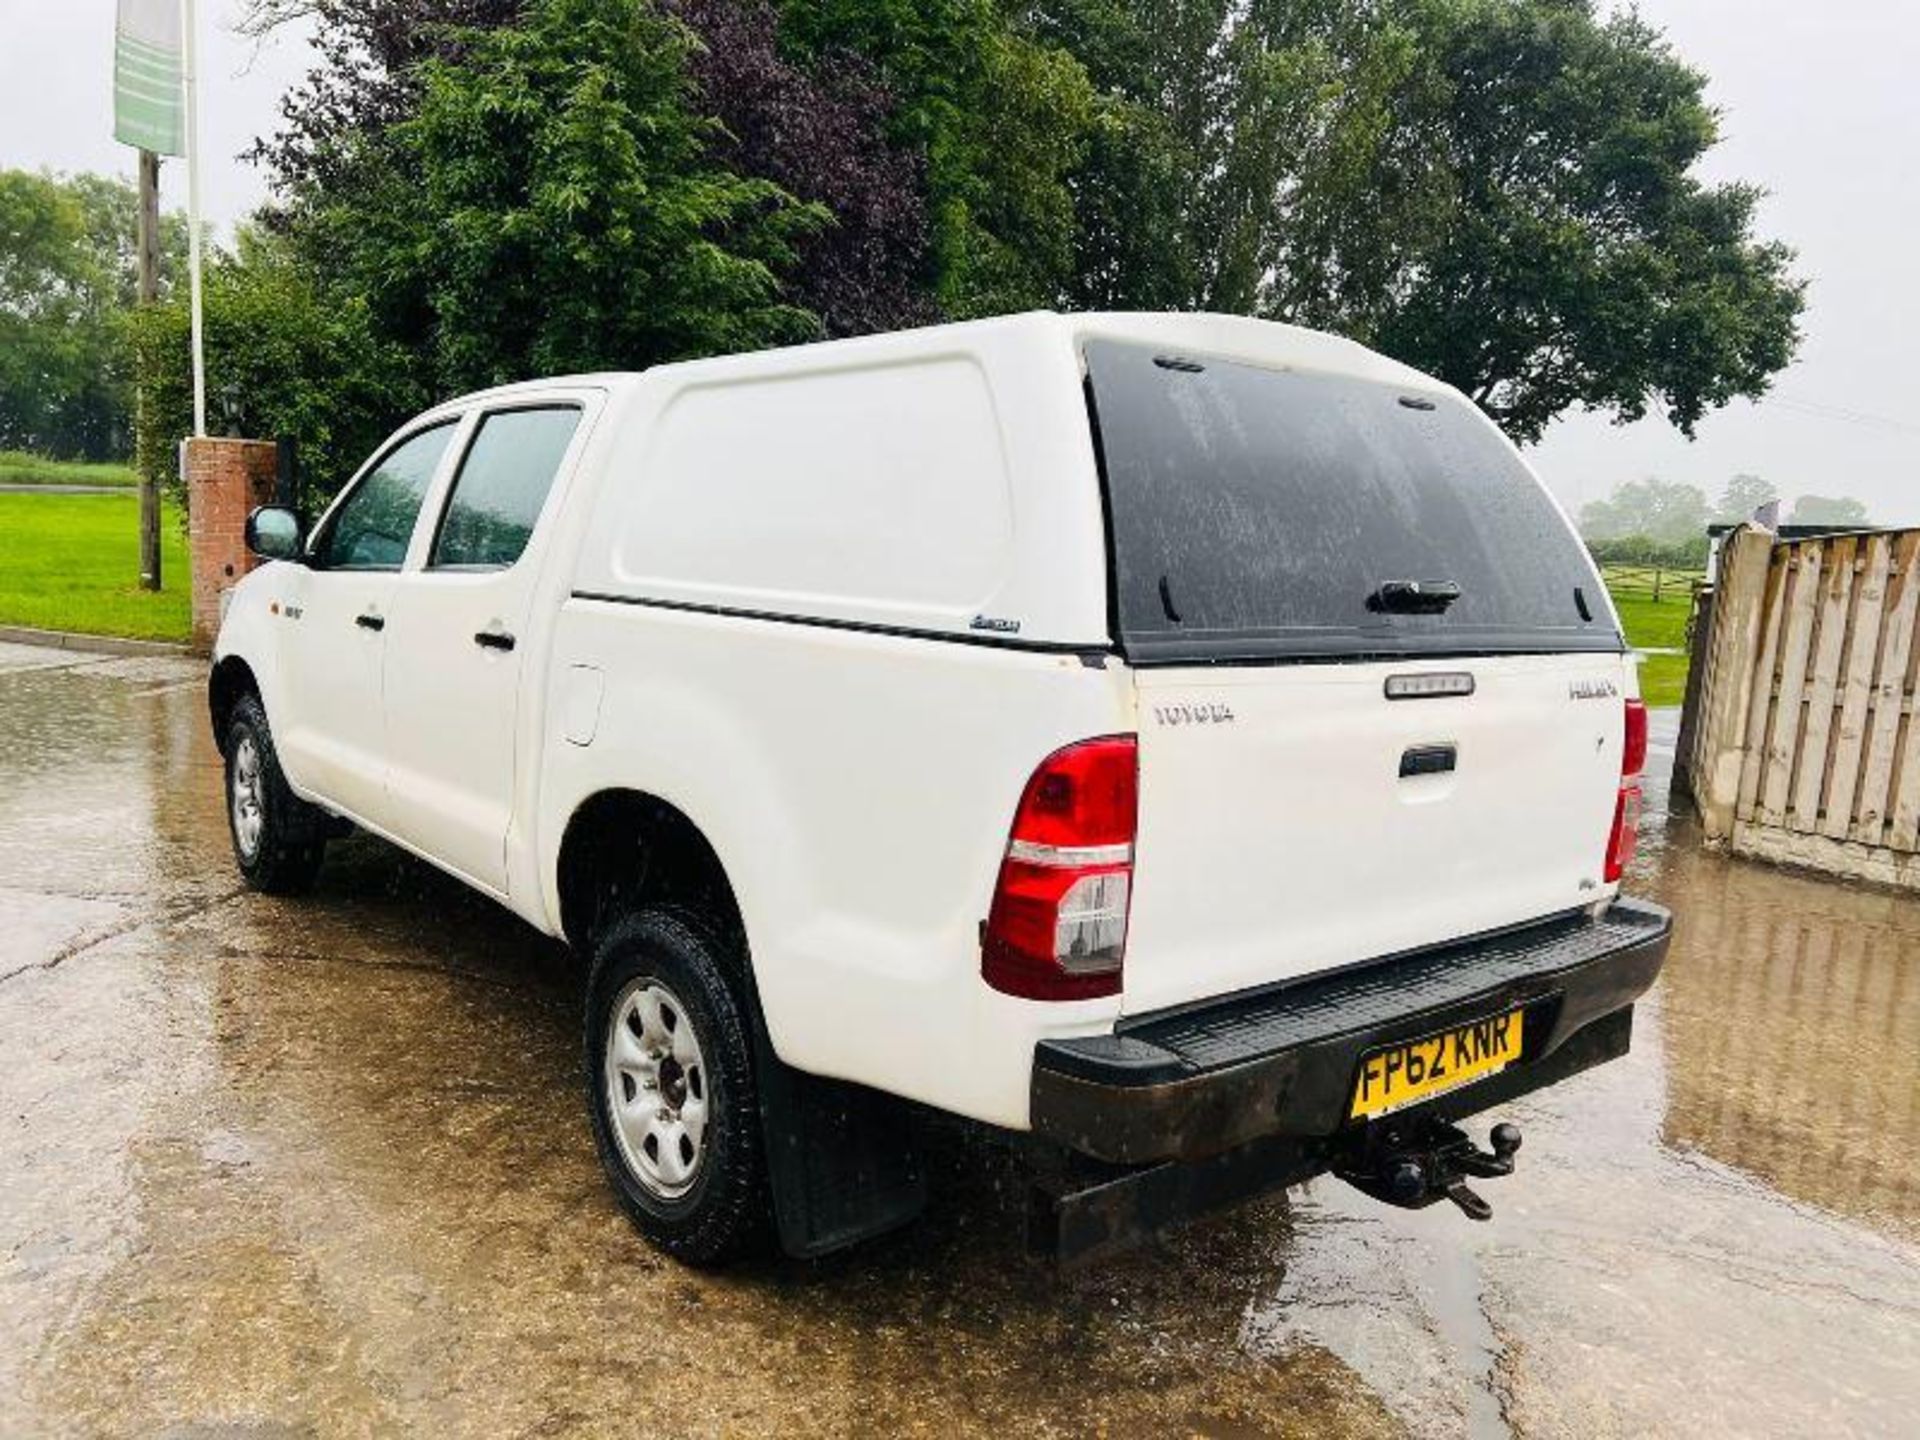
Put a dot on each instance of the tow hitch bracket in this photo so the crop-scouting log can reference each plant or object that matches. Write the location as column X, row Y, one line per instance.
column 1417, row 1164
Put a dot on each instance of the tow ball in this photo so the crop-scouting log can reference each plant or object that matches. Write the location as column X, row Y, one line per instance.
column 1414, row 1165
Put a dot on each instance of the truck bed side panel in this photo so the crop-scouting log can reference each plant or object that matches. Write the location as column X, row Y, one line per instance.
column 858, row 788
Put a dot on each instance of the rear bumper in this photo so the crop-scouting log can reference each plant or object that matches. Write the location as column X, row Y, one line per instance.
column 1280, row 1063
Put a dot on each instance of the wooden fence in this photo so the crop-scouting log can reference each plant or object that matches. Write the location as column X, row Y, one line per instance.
column 1803, row 746
column 1657, row 583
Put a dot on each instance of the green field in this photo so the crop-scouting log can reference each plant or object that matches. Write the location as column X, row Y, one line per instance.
column 1658, row 624
column 1663, row 680
column 72, row 562
column 17, row 468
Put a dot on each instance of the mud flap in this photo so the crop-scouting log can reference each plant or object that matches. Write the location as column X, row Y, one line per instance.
column 1080, row 1210
column 843, row 1160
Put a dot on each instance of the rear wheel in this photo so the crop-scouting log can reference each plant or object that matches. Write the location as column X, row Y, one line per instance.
column 671, row 1088
column 278, row 838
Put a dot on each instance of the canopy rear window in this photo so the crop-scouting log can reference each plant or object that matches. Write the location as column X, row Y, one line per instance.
column 1271, row 514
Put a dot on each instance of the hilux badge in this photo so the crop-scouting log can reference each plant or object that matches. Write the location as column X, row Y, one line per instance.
column 1592, row 690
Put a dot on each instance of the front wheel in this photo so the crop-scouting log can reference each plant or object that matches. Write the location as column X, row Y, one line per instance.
column 671, row 1089
column 278, row 838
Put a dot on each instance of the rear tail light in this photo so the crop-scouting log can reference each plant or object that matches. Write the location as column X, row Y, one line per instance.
column 1625, row 834
column 1633, row 754
column 1058, row 926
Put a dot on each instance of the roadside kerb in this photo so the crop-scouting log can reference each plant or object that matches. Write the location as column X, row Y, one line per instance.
column 95, row 644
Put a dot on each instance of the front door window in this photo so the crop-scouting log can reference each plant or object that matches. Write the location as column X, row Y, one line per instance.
column 371, row 528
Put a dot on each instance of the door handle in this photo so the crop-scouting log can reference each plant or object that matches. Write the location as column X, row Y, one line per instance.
column 493, row 639
column 370, row 621
column 1428, row 760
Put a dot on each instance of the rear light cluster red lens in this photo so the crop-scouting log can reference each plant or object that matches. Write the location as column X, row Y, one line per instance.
column 1633, row 754
column 1625, row 834
column 1058, row 926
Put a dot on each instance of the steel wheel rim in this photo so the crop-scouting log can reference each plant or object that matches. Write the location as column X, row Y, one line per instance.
column 656, row 1088
column 249, row 813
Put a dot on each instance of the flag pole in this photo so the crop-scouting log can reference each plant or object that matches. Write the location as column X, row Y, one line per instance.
column 148, row 249
column 189, row 80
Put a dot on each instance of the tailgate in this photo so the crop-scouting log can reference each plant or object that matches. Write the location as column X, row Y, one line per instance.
column 1278, row 835
column 1285, row 542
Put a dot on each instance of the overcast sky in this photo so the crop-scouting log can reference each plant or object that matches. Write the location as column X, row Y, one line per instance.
column 1822, row 106
column 1821, row 102
column 56, row 96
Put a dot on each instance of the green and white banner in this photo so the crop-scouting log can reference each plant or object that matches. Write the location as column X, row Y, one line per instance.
column 147, row 109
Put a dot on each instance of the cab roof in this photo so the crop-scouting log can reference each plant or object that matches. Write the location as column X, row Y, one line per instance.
column 1238, row 337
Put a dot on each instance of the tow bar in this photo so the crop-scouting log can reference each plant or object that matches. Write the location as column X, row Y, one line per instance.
column 1416, row 1164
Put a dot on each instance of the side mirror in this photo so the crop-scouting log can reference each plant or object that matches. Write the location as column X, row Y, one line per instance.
column 273, row 533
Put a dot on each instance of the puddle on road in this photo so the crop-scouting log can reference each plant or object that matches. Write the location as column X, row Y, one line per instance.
column 323, row 1164
column 1714, row 1234
column 383, row 1209
column 1624, row 1286
column 1791, row 1015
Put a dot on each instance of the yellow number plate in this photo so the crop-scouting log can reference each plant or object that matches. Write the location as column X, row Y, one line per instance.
column 1403, row 1075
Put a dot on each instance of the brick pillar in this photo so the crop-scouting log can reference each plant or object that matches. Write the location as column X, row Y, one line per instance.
column 226, row 479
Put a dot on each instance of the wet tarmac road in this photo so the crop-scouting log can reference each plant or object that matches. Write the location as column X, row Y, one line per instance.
column 321, row 1167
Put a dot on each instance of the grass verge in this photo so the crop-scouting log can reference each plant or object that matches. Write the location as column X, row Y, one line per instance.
column 1651, row 626
column 18, row 468
column 1663, row 680
column 72, row 562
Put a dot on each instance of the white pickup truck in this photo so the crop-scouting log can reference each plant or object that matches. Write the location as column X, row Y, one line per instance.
column 1194, row 747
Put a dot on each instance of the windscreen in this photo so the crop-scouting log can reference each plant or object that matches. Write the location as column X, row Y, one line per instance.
column 1269, row 514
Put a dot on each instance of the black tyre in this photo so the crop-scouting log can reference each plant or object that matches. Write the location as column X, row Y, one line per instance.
column 278, row 838
column 671, row 1088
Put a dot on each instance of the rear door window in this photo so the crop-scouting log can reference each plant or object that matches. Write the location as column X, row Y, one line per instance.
column 1270, row 514
column 502, row 487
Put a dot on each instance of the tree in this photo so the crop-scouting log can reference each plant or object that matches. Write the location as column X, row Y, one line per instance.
column 819, row 132
column 1639, row 550
column 287, row 361
column 1497, row 191
column 1001, row 118
column 1579, row 261
column 552, row 206
column 1651, row 509
column 365, row 82
column 1825, row 510
column 67, row 277
column 1743, row 496
column 1199, row 120
column 818, row 125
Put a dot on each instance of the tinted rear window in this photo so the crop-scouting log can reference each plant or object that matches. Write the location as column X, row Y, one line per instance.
column 1257, row 513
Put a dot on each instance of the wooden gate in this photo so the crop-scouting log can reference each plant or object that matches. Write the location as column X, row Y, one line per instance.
column 1804, row 747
